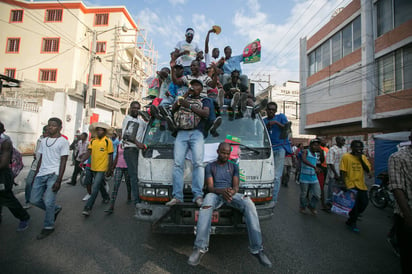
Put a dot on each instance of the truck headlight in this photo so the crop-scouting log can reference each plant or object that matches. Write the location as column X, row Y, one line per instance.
column 261, row 193
column 162, row 192
column 250, row 192
column 148, row 192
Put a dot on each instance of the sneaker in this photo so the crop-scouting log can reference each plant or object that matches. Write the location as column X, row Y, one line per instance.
column 261, row 105
column 44, row 233
column 27, row 206
column 221, row 97
column 352, row 227
column 86, row 212
column 302, row 210
column 313, row 211
column 56, row 212
column 263, row 259
column 164, row 111
column 87, row 197
column 216, row 123
column 173, row 202
column 109, row 210
column 145, row 115
column 23, row 225
column 235, row 100
column 199, row 201
column 154, row 112
column 196, row 256
column 243, row 101
column 171, row 124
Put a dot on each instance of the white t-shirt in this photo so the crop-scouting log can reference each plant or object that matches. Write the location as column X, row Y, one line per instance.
column 209, row 59
column 51, row 150
column 186, row 60
column 132, row 128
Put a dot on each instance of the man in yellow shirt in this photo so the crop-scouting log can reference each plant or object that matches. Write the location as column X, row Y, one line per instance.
column 352, row 167
column 101, row 151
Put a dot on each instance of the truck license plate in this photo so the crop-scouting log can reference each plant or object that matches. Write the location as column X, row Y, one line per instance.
column 215, row 216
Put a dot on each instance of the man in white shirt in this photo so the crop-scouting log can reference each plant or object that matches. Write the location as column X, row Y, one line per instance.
column 54, row 151
column 133, row 130
column 186, row 51
column 333, row 160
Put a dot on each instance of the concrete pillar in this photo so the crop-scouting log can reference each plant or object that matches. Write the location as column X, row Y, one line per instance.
column 368, row 50
column 303, row 65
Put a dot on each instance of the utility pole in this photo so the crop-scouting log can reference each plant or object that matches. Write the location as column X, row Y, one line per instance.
column 114, row 61
column 90, row 82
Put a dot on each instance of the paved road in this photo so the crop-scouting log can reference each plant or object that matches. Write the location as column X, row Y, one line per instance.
column 117, row 243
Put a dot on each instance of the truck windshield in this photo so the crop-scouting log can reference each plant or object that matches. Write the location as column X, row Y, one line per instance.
column 251, row 132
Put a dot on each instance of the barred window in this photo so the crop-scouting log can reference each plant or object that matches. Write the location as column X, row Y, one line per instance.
column 101, row 19
column 13, row 45
column 48, row 75
column 97, row 80
column 16, row 16
column 54, row 15
column 101, row 47
column 10, row 72
column 50, row 45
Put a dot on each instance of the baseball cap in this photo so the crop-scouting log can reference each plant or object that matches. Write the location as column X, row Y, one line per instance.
column 196, row 81
column 316, row 140
column 190, row 32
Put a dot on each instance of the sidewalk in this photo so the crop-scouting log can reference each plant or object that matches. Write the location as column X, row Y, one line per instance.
column 20, row 180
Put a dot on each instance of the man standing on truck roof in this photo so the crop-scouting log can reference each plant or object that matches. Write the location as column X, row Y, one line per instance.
column 190, row 137
column 222, row 179
column 275, row 123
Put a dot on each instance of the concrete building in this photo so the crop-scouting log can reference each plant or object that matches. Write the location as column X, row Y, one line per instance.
column 286, row 96
column 356, row 71
column 55, row 49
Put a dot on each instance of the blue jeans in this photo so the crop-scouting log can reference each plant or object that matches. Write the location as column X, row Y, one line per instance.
column 131, row 156
column 43, row 197
column 98, row 185
column 312, row 191
column 186, row 139
column 29, row 184
column 279, row 161
column 244, row 204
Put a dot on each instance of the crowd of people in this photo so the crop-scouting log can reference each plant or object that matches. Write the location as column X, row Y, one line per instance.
column 187, row 98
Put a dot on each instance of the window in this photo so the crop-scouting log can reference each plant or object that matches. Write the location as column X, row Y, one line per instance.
column 16, row 16
column 336, row 48
column 97, row 80
column 312, row 63
column 13, row 45
column 101, row 19
column 50, row 45
column 101, row 47
column 318, row 59
column 395, row 70
column 347, row 40
column 47, row 75
column 356, row 28
column 392, row 13
column 325, row 54
column 54, row 15
column 10, row 72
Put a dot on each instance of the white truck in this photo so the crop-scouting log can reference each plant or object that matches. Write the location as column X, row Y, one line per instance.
column 155, row 170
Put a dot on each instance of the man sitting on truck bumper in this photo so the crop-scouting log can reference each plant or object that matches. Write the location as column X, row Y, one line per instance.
column 222, row 178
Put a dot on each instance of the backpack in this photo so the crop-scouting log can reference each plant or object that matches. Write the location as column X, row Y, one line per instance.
column 185, row 118
column 16, row 160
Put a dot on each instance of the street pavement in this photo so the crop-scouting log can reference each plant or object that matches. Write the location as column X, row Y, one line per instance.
column 117, row 243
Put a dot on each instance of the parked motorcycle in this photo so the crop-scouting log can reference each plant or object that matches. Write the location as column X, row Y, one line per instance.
column 380, row 195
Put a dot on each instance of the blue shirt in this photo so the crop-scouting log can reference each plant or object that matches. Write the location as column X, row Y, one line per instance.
column 222, row 175
column 274, row 133
column 233, row 63
column 176, row 91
